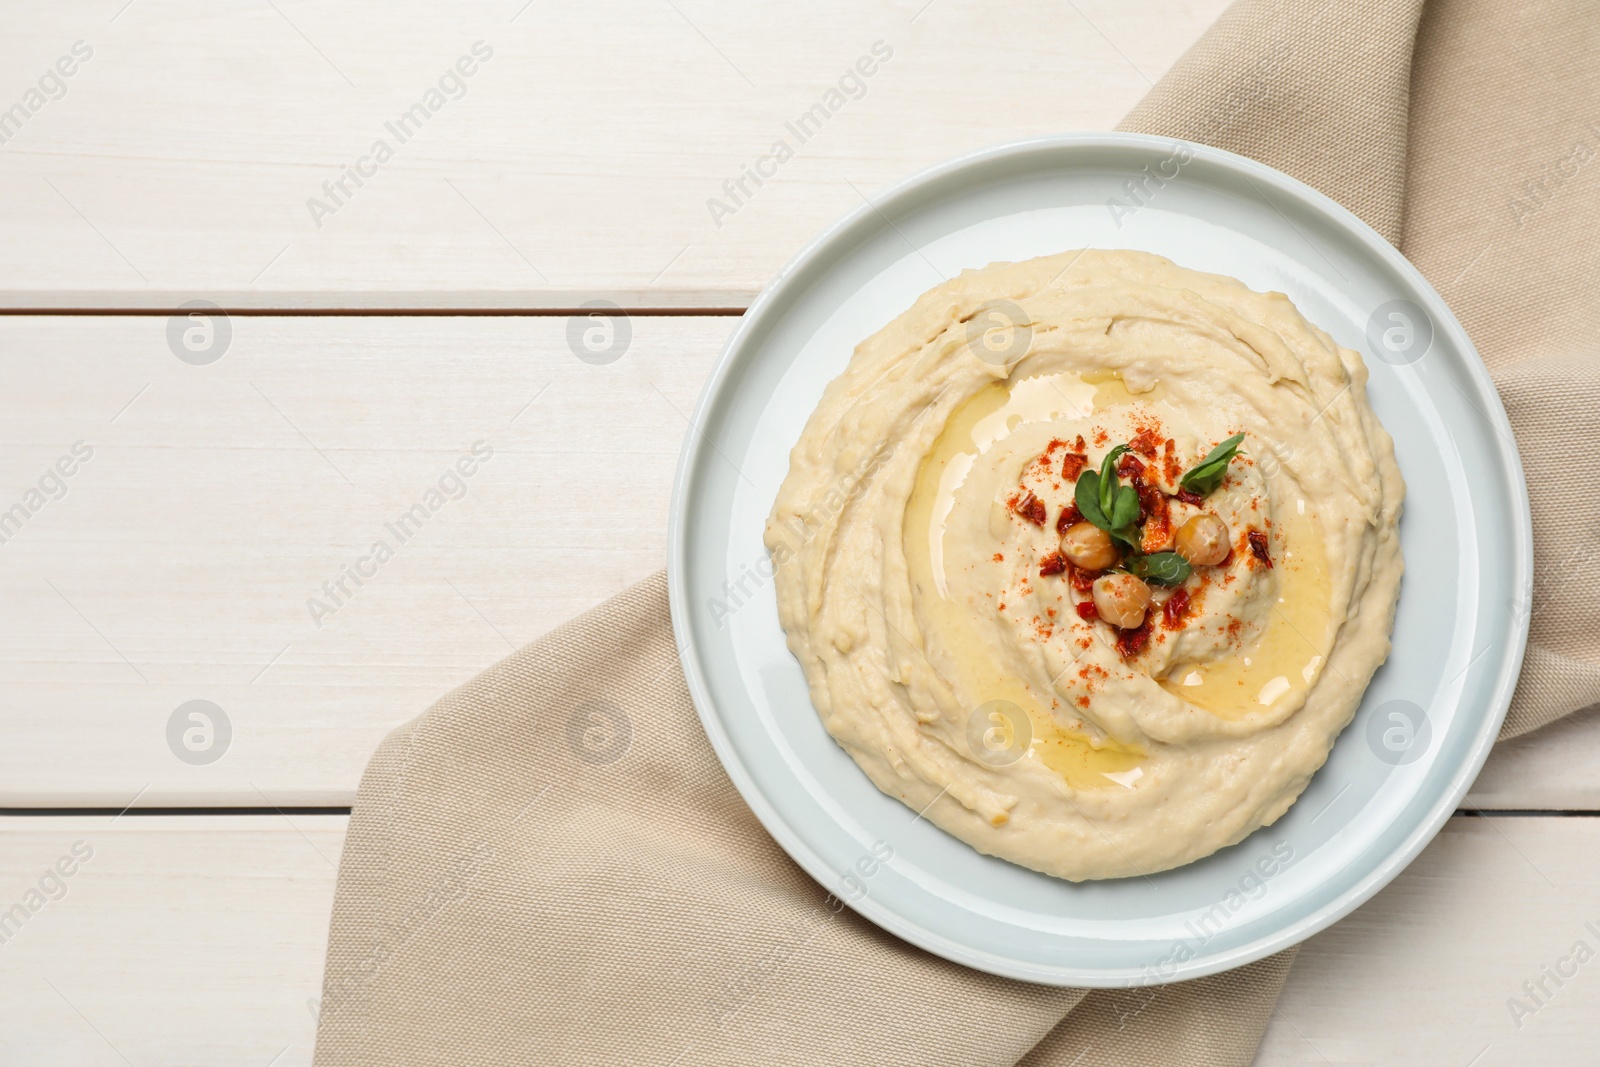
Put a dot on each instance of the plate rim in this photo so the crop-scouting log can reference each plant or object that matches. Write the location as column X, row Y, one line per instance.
column 767, row 306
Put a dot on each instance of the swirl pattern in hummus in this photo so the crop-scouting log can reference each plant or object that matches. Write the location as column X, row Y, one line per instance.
column 909, row 540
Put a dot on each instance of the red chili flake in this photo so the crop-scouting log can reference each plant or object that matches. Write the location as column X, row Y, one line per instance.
column 1072, row 465
column 1169, row 462
column 1129, row 466
column 1157, row 533
column 1156, row 516
column 1258, row 547
column 1172, row 611
column 999, row 558
column 1070, row 516
column 1189, row 498
column 1131, row 642
column 1079, row 445
column 1029, row 507
column 1100, row 436
column 1145, row 442
column 1083, row 580
column 1087, row 611
column 1054, row 563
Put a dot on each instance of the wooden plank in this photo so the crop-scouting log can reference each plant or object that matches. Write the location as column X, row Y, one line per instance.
column 1429, row 971
column 178, row 940
column 180, row 559
column 579, row 159
column 200, row 939
column 1550, row 769
column 186, row 558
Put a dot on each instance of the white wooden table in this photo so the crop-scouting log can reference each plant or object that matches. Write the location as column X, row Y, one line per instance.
column 383, row 328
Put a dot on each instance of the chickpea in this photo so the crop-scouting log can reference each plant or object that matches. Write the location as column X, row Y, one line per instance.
column 1121, row 599
column 1088, row 546
column 1203, row 540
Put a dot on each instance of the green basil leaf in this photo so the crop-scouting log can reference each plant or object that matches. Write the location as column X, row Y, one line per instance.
column 1086, row 494
column 1162, row 568
column 1206, row 475
column 1108, row 478
column 1124, row 508
column 1106, row 503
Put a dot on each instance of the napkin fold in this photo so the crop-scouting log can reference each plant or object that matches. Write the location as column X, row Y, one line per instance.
column 550, row 866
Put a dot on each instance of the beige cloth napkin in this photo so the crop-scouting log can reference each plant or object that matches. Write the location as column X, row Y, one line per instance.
column 549, row 865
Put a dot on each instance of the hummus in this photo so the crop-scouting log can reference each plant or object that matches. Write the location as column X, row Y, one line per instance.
column 985, row 667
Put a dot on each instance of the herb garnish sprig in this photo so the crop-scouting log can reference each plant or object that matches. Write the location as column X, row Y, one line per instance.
column 1108, row 504
column 1204, row 477
column 1160, row 568
column 1103, row 501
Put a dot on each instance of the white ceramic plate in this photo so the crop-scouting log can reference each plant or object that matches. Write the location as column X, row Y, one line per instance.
column 1428, row 719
